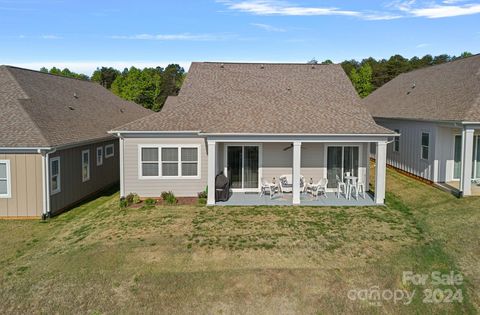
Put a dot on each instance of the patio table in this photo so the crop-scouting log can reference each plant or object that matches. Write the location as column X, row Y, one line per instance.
column 350, row 180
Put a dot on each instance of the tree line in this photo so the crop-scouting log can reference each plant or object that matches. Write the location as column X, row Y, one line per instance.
column 150, row 87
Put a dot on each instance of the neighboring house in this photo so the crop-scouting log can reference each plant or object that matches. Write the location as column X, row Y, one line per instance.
column 253, row 122
column 54, row 146
column 437, row 112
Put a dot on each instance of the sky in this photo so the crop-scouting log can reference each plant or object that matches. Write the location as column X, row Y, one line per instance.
column 83, row 35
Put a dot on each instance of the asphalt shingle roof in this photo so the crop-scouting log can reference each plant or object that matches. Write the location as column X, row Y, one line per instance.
column 43, row 110
column 446, row 92
column 251, row 98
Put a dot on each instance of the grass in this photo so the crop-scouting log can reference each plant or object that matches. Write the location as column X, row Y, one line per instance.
column 101, row 259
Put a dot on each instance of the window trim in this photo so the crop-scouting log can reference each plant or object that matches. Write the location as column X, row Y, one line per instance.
column 179, row 162
column 113, row 150
column 396, row 141
column 59, row 186
column 422, row 146
column 9, row 180
column 99, row 149
column 87, row 178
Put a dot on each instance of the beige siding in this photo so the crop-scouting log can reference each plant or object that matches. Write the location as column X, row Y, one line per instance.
column 26, row 186
column 73, row 189
column 181, row 187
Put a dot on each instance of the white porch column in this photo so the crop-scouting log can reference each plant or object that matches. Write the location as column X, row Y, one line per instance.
column 380, row 172
column 297, row 146
column 211, row 172
column 467, row 161
column 122, row 180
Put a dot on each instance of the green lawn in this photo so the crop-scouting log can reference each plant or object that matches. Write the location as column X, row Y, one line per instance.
column 99, row 258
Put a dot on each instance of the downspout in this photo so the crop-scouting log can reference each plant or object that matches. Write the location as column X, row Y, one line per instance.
column 46, row 182
column 122, row 180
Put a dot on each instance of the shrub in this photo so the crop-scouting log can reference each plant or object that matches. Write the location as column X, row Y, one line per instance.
column 123, row 203
column 169, row 197
column 203, row 194
column 150, row 202
column 132, row 198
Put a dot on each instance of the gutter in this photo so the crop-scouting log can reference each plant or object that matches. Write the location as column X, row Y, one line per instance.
column 46, row 181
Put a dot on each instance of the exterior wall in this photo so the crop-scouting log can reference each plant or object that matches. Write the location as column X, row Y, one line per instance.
column 73, row 189
column 26, row 186
column 409, row 156
column 181, row 187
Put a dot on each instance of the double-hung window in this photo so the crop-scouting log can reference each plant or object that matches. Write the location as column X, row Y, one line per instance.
column 425, row 145
column 109, row 151
column 99, row 156
column 85, row 165
column 55, row 183
column 169, row 161
column 396, row 142
column 5, row 184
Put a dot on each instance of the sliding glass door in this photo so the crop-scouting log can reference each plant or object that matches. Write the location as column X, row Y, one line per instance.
column 243, row 166
column 341, row 159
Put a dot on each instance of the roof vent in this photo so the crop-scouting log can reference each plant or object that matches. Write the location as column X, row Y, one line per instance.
column 313, row 67
column 413, row 85
column 71, row 108
column 222, row 66
column 262, row 66
column 122, row 110
column 75, row 95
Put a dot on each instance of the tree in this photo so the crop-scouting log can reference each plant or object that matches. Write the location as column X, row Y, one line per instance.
column 327, row 62
column 313, row 61
column 65, row 72
column 362, row 80
column 105, row 76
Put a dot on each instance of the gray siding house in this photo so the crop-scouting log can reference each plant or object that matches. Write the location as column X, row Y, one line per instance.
column 54, row 147
column 254, row 123
column 437, row 112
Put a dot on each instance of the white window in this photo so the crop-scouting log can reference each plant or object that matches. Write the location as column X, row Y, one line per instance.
column 55, row 184
column 85, row 165
column 425, row 145
column 149, row 161
column 169, row 161
column 5, row 184
column 99, row 156
column 109, row 151
column 396, row 142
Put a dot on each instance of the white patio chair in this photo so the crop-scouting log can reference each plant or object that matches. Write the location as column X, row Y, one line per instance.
column 269, row 188
column 359, row 188
column 285, row 184
column 341, row 187
column 319, row 188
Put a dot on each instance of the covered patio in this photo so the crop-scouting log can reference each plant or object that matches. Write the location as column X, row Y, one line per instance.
column 254, row 199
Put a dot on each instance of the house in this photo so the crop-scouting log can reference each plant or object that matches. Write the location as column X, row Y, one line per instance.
column 437, row 112
column 54, row 147
column 254, row 122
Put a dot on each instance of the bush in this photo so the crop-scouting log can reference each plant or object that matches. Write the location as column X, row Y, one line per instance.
column 123, row 203
column 169, row 197
column 203, row 194
column 133, row 198
column 150, row 202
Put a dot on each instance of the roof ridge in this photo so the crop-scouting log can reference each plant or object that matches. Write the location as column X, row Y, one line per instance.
column 47, row 73
column 22, row 108
column 265, row 63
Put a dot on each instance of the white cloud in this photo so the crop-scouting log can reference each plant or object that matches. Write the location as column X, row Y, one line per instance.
column 422, row 45
column 50, row 36
column 173, row 37
column 268, row 28
column 395, row 10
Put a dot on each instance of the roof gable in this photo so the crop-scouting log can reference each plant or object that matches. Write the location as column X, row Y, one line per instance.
column 449, row 92
column 263, row 98
column 50, row 110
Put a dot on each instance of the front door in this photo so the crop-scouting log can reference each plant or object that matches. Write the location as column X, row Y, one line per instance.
column 243, row 167
column 341, row 159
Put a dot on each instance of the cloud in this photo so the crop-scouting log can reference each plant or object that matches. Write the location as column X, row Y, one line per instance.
column 422, row 45
column 50, row 37
column 444, row 9
column 273, row 7
column 268, row 28
column 173, row 37
column 395, row 10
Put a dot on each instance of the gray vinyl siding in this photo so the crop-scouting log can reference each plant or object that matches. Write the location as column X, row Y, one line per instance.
column 408, row 158
column 73, row 189
column 26, row 186
column 181, row 187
